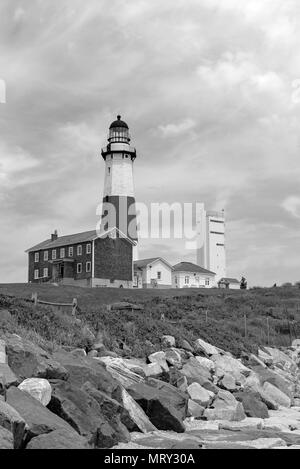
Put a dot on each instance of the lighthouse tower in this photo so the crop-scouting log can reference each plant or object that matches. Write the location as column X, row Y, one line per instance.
column 118, row 197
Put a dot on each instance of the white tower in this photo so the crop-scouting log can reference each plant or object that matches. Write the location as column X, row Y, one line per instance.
column 118, row 197
column 211, row 252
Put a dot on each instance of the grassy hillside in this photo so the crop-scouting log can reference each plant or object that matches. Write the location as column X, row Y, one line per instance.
column 217, row 316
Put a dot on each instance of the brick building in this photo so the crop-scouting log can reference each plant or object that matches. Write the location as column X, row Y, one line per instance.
column 83, row 259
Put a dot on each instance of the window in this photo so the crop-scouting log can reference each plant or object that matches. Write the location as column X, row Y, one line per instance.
column 54, row 254
column 71, row 251
column 158, row 275
column 79, row 268
column 79, row 250
column 207, row 282
column 88, row 248
column 175, row 279
column 62, row 253
column 45, row 256
column 88, row 267
column 46, row 272
column 197, row 279
column 186, row 279
column 37, row 257
column 36, row 274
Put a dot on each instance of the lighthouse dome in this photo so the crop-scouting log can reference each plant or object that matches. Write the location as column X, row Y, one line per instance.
column 118, row 123
column 119, row 132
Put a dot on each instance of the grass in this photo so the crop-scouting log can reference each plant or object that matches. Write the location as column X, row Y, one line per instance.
column 214, row 315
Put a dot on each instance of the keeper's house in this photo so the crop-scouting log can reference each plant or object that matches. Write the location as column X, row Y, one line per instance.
column 83, row 259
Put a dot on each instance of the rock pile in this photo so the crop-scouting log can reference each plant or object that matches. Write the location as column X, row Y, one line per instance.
column 183, row 396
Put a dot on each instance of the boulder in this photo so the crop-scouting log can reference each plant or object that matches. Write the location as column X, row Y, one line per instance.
column 27, row 360
column 266, row 375
column 194, row 372
column 120, row 371
column 3, row 357
column 253, row 360
column 153, row 370
column 228, row 382
column 7, row 376
column 194, row 409
column 182, row 384
column 296, row 343
column 157, row 406
column 280, row 358
column 225, row 407
column 185, row 345
column 6, row 439
column 13, row 422
column 38, row 388
column 248, row 424
column 203, row 347
column 99, row 347
column 253, row 405
column 173, row 357
column 160, row 358
column 177, row 398
column 86, row 415
column 58, row 439
column 136, row 413
column 226, row 364
column 206, row 363
column 92, row 354
column 83, row 369
column 79, row 352
column 200, row 395
column 276, row 395
column 265, row 357
column 168, row 341
column 38, row 418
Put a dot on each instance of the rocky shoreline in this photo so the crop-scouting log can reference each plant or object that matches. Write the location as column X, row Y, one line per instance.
column 186, row 396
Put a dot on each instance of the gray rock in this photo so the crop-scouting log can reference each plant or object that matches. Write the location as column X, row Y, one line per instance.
column 195, row 409
column 200, row 395
column 58, row 439
column 13, row 422
column 168, row 341
column 38, row 388
column 6, row 439
column 208, row 349
column 160, row 358
column 276, row 395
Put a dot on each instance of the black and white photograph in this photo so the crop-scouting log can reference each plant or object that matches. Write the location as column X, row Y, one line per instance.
column 149, row 227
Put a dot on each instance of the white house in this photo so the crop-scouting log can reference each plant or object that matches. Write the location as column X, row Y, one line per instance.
column 152, row 273
column 231, row 283
column 189, row 275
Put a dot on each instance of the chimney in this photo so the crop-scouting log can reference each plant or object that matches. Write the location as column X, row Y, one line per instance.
column 54, row 236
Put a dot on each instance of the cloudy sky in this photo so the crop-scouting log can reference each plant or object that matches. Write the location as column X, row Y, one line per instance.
column 211, row 92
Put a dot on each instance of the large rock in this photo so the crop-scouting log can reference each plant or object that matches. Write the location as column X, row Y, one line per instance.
column 185, row 345
column 84, row 413
column 168, row 341
column 173, row 357
column 200, row 395
column 38, row 388
column 120, row 371
column 58, row 439
column 137, row 415
column 266, row 375
column 177, row 398
column 195, row 372
column 85, row 369
column 253, row 405
column 265, row 357
column 13, row 422
column 27, row 360
column 6, row 439
column 38, row 418
column 206, row 363
column 7, row 376
column 281, row 358
column 153, row 370
column 194, row 409
column 226, row 364
column 3, row 357
column 202, row 346
column 160, row 358
column 276, row 395
column 228, row 382
column 157, row 407
column 225, row 407
column 248, row 424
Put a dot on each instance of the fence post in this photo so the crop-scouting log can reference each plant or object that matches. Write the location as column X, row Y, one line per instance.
column 268, row 331
column 206, row 316
column 74, row 306
column 34, row 298
column 245, row 323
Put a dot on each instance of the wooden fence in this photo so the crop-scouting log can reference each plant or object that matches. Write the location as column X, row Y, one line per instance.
column 73, row 305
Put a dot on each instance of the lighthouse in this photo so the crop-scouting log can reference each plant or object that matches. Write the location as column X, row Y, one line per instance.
column 119, row 209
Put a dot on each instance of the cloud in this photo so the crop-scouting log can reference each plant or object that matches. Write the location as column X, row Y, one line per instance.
column 184, row 126
column 292, row 206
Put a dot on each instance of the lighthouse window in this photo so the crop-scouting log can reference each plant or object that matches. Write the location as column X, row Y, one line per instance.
column 108, row 170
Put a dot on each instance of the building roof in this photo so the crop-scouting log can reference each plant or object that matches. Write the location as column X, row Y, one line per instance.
column 190, row 267
column 140, row 264
column 229, row 280
column 76, row 238
column 118, row 123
